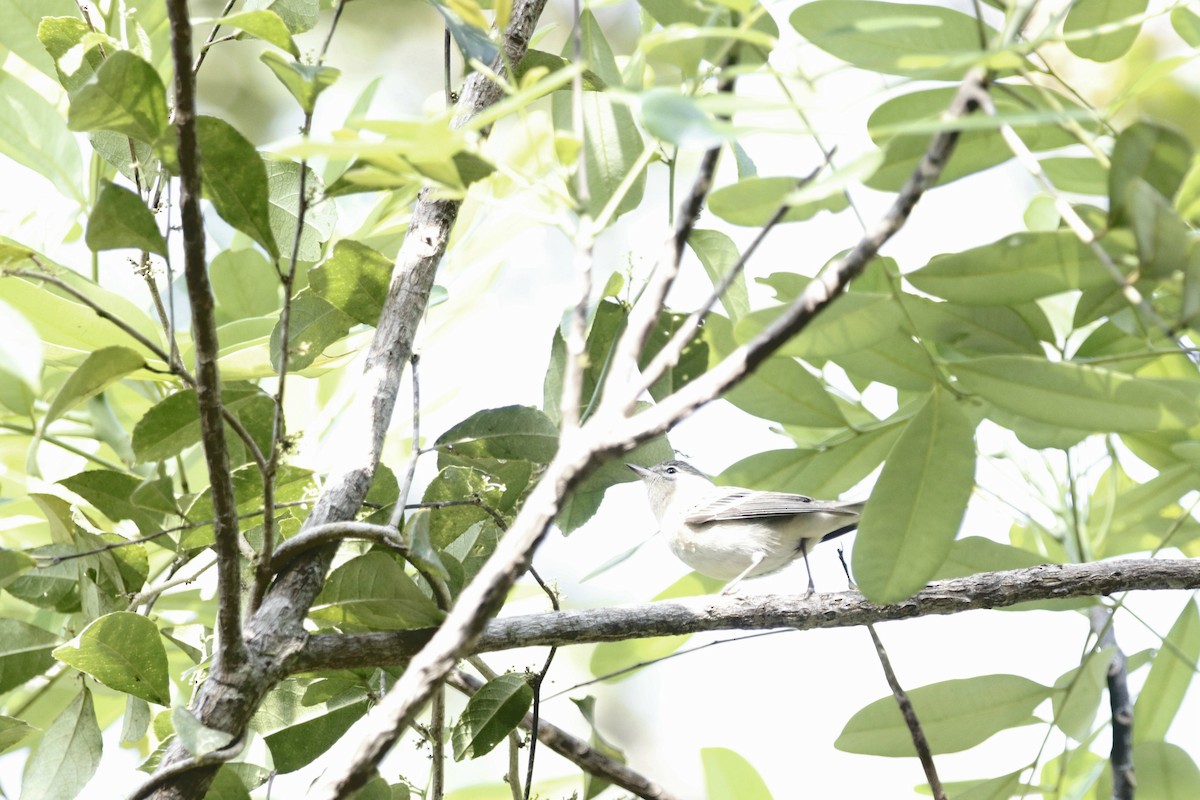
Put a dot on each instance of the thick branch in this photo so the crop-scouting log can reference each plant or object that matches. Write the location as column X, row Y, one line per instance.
column 713, row 613
column 575, row 750
column 232, row 653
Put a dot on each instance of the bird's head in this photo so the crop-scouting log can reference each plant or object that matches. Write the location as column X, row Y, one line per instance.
column 673, row 482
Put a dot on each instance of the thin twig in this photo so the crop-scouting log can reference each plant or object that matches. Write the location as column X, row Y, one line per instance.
column 70, row 448
column 406, row 482
column 536, row 684
column 212, row 36
column 232, row 652
column 1121, row 757
column 320, row 535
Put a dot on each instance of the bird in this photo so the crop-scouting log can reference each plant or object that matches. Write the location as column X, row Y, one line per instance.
column 730, row 533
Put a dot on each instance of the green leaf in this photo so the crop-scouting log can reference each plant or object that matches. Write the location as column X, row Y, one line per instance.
column 120, row 220
column 1081, row 175
column 68, row 754
column 692, row 361
column 592, row 785
column 313, row 327
column 518, row 432
column 304, row 82
column 298, row 15
column 678, row 120
column 471, row 34
column 33, row 134
column 235, row 180
column 612, row 144
column 74, row 47
column 898, row 39
column 100, row 370
column 894, row 361
column 852, row 322
column 1075, row 395
column 1187, row 24
column 283, row 183
column 298, row 745
column 126, row 95
column 754, row 201
column 902, row 126
column 1158, row 155
column 956, row 715
column 1162, row 237
column 124, row 652
column 244, row 284
column 173, row 424
column 728, row 776
column 12, row 732
column 1017, row 269
column 111, row 494
column 917, row 505
column 1078, row 693
column 19, row 27
column 534, row 59
column 354, row 280
column 718, row 255
column 12, row 564
column 24, row 652
column 459, row 483
column 372, row 592
column 1171, row 673
column 266, row 25
column 983, row 330
column 1165, row 772
column 1088, row 15
column 196, row 737
column 781, row 390
column 20, row 360
column 491, row 714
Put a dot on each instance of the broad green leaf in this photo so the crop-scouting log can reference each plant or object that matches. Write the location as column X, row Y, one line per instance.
column 604, row 325
column 283, row 182
column 902, row 126
column 535, row 59
column 291, row 484
column 1163, row 239
column 111, row 493
column 1075, row 707
column 305, row 82
column 126, row 95
column 140, row 164
column 298, row 15
column 518, row 432
column 816, row 473
column 718, row 254
column 196, row 737
column 680, row 121
column 354, row 280
column 55, row 586
column 1165, row 772
column 453, row 483
column 491, row 714
column 100, row 370
column 20, row 360
column 982, row 330
column 781, row 390
column 955, row 715
column 1187, row 24
column 1017, row 269
column 692, row 361
column 244, row 284
column 19, row 27
column 121, row 220
column 1086, row 16
column 235, row 179
column 1081, row 175
column 372, row 592
column 1158, row 155
column 916, row 507
column 899, row 39
column 468, row 26
column 593, row 785
column 754, row 201
column 12, row 732
column 1171, row 674
column 314, row 326
column 33, row 134
column 75, row 48
column 266, row 25
column 24, row 652
column 728, row 776
column 1076, row 395
column 618, row 660
column 852, row 322
column 12, row 564
column 68, row 754
column 173, row 424
column 612, row 143
column 894, row 360
column 298, row 745
column 124, row 652
column 1002, row 787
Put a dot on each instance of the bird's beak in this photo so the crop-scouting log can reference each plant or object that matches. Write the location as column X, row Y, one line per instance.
column 641, row 471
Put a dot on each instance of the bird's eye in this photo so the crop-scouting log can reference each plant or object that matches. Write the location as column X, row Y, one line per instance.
column 671, row 470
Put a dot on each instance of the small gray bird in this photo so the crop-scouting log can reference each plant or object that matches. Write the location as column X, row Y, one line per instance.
column 729, row 533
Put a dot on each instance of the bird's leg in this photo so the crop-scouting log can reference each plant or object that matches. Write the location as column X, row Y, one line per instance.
column 812, row 587
column 754, row 562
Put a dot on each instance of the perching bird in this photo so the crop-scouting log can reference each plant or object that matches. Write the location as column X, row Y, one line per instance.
column 729, row 533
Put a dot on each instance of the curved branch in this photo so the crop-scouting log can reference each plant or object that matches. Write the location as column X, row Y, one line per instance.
column 713, row 613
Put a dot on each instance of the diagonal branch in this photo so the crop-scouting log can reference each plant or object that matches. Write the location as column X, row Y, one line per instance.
column 232, row 654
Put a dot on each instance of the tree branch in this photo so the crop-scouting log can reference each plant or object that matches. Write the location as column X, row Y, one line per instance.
column 713, row 613
column 231, row 656
column 1121, row 757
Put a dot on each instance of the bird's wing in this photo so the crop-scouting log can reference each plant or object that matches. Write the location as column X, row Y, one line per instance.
column 735, row 504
